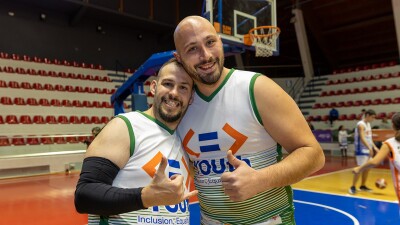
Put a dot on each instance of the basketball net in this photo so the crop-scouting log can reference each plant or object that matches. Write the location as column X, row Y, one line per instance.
column 263, row 39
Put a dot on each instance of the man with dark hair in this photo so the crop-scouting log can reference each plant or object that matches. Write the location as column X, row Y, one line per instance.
column 120, row 182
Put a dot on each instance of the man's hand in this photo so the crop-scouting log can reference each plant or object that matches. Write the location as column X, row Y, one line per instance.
column 239, row 185
column 163, row 190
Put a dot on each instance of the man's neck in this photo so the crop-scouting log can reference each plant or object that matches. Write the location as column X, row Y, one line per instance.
column 151, row 113
column 208, row 89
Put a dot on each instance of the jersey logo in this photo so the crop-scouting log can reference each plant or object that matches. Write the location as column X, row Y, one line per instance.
column 205, row 138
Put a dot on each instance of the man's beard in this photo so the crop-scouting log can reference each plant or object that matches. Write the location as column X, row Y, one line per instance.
column 168, row 117
column 208, row 78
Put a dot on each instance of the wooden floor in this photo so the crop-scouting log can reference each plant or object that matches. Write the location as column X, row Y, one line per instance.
column 48, row 199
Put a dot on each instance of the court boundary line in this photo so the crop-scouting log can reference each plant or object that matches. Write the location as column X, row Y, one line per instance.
column 347, row 195
column 355, row 221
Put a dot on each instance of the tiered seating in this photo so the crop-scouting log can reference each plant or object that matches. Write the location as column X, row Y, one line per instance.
column 51, row 102
column 349, row 92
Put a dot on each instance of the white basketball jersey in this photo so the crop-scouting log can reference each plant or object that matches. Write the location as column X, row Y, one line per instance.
column 229, row 120
column 360, row 148
column 395, row 163
column 150, row 139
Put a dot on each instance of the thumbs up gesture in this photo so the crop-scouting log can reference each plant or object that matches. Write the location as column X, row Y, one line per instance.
column 163, row 190
column 240, row 184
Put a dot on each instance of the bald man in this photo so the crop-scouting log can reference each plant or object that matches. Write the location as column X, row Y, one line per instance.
column 233, row 133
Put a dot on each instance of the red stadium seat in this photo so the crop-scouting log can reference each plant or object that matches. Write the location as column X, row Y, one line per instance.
column 38, row 119
column 72, row 139
column 31, row 101
column 373, row 89
column 86, row 104
column 80, row 76
column 62, row 74
column 3, row 84
column 42, row 72
column 97, row 90
column 340, row 104
column 6, row 101
column 12, row 119
column 381, row 115
column 330, row 93
column 51, row 120
column 348, row 104
column 89, row 77
column 96, row 104
column 377, row 101
column 20, row 70
column 25, row 119
column 71, row 75
column 325, row 105
column 85, row 120
column 69, row 88
column 4, row 141
column 58, row 87
column 13, row 84
column 339, row 92
column 317, row 106
column 357, row 103
column 104, row 119
column 392, row 87
column 367, row 102
column 4, row 55
column 324, row 118
column 63, row 120
column 74, row 120
column 52, row 73
column 44, row 102
column 26, row 85
column 352, row 117
column 46, row 140
column 37, row 86
column 55, row 102
column 396, row 100
column 106, row 105
column 59, row 140
column 76, row 103
column 1, row 119
column 48, row 87
column 32, row 140
column 95, row 120
column 18, row 140
column 31, row 72
column 79, row 89
column 387, row 101
column 82, row 138
column 364, row 90
column 343, row 117
column 66, row 103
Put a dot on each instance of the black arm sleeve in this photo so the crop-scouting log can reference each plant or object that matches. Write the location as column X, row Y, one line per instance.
column 95, row 195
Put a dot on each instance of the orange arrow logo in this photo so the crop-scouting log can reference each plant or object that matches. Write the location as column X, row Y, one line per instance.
column 240, row 138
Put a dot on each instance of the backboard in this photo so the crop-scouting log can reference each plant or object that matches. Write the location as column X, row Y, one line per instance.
column 232, row 19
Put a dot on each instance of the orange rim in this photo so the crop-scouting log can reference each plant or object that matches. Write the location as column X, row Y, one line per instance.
column 278, row 30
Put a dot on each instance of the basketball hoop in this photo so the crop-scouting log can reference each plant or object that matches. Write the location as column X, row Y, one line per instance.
column 263, row 39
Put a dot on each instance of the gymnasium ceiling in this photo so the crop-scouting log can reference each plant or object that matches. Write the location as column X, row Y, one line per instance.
column 341, row 33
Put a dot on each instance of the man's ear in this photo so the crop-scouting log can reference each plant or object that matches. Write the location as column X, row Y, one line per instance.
column 153, row 87
column 177, row 57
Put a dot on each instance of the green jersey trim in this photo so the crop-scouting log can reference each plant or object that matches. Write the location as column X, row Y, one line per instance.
column 131, row 134
column 252, row 98
column 209, row 98
column 159, row 123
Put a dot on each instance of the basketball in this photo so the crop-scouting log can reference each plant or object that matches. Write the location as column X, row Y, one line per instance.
column 380, row 183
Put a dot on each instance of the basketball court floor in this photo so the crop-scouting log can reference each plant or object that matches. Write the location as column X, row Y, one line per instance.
column 321, row 199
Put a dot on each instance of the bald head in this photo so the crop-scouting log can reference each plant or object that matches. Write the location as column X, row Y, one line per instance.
column 191, row 25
